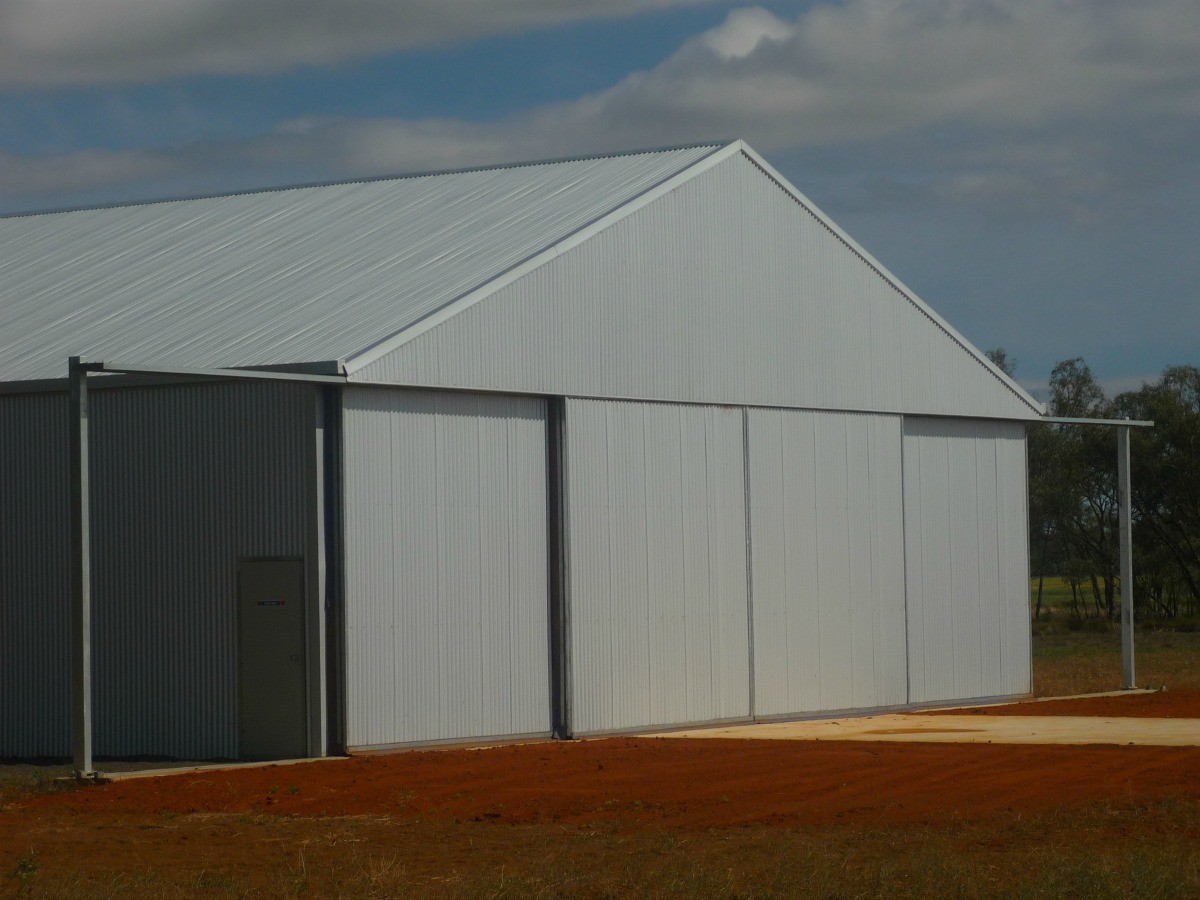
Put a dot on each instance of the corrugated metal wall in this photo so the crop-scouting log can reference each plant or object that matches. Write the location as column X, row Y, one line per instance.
column 725, row 290
column 446, row 505
column 447, row 627
column 966, row 559
column 828, row 561
column 657, row 535
column 35, row 622
column 185, row 480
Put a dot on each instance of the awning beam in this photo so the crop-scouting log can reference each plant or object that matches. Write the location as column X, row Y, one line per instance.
column 232, row 374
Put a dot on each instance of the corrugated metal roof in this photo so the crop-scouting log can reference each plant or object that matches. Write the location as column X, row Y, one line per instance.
column 288, row 276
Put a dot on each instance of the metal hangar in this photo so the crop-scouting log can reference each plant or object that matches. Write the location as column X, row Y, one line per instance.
column 555, row 448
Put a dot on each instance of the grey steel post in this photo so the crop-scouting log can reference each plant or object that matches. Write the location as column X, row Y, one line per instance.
column 1126, row 551
column 559, row 560
column 752, row 696
column 81, row 580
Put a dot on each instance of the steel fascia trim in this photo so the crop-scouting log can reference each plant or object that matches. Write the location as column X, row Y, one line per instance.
column 749, row 404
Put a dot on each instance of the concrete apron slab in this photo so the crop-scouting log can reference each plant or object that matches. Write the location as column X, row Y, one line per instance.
column 967, row 730
column 204, row 768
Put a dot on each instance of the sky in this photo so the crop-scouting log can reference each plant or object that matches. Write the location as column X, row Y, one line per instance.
column 1030, row 168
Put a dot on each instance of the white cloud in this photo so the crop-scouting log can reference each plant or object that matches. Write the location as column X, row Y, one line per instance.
column 875, row 67
column 1017, row 106
column 1010, row 105
column 743, row 31
column 68, row 42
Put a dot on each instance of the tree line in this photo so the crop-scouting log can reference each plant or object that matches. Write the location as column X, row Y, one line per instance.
column 1073, row 492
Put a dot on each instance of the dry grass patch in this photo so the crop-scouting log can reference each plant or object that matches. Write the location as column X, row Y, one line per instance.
column 1097, row 852
column 1081, row 662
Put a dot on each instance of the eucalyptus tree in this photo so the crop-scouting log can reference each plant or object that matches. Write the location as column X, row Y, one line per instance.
column 1166, row 489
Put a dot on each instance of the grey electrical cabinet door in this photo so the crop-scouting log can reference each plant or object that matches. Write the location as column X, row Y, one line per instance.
column 271, row 702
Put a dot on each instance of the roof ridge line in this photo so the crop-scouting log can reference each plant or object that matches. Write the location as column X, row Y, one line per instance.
column 370, row 179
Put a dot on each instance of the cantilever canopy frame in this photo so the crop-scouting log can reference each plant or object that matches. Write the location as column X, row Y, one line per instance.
column 1125, row 531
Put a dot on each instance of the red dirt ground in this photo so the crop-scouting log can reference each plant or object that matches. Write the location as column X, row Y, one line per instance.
column 1159, row 705
column 614, row 805
column 669, row 783
column 694, row 784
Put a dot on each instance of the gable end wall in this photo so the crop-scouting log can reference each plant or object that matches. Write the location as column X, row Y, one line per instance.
column 725, row 290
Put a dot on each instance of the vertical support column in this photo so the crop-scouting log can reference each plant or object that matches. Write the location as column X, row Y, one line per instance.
column 335, row 570
column 753, row 701
column 81, row 578
column 557, row 542
column 1128, row 680
column 315, row 576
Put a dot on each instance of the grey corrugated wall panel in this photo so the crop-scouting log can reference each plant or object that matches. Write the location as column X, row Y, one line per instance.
column 724, row 290
column 657, row 535
column 35, row 624
column 184, row 480
column 299, row 275
column 966, row 559
column 828, row 561
column 447, row 626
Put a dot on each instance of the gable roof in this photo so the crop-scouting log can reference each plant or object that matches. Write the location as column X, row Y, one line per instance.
column 340, row 274
column 298, row 275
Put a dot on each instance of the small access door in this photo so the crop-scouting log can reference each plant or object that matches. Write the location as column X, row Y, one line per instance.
column 271, row 698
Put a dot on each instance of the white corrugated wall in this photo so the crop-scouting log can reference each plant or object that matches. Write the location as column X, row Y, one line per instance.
column 657, row 536
column 184, row 481
column 447, row 632
column 966, row 559
column 828, row 561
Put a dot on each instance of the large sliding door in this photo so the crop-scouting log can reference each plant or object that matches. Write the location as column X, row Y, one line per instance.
column 721, row 563
column 657, row 537
column 446, row 568
column 967, row 559
column 828, row 561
